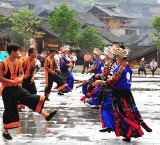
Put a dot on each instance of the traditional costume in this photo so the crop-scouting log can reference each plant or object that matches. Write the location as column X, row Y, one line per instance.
column 28, row 74
column 87, row 87
column 127, row 118
column 67, row 76
column 50, row 78
column 12, row 93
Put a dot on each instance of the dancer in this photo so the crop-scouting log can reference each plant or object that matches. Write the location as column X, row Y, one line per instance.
column 104, row 95
column 28, row 66
column 87, row 87
column 50, row 66
column 127, row 118
column 11, row 75
column 64, row 65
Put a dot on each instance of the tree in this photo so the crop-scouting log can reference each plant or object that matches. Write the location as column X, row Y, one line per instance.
column 63, row 22
column 19, row 37
column 155, row 35
column 25, row 24
column 90, row 39
column 2, row 21
column 26, row 20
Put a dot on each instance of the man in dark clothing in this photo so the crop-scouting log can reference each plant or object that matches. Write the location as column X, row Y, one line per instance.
column 142, row 67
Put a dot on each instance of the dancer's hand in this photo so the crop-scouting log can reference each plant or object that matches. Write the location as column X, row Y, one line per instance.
column 59, row 70
column 53, row 72
column 97, row 75
column 98, row 82
column 32, row 80
column 17, row 80
column 87, row 71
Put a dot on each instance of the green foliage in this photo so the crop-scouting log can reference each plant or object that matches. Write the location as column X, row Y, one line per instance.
column 26, row 20
column 156, row 31
column 63, row 22
column 19, row 37
column 2, row 20
column 90, row 39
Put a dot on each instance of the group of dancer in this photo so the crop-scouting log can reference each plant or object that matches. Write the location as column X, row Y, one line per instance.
column 109, row 89
column 111, row 92
column 19, row 90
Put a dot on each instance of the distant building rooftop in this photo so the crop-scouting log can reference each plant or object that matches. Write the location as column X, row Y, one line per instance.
column 113, row 11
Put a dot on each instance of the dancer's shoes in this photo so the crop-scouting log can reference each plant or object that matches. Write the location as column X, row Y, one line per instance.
column 95, row 107
column 60, row 93
column 7, row 136
column 65, row 91
column 46, row 98
column 106, row 130
column 127, row 139
column 51, row 115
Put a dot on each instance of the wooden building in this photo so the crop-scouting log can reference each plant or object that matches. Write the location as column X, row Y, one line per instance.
column 141, row 46
column 111, row 15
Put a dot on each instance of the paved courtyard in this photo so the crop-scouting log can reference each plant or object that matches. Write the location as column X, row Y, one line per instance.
column 77, row 124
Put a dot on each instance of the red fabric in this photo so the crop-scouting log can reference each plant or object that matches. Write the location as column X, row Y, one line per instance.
column 129, row 132
column 102, row 122
column 117, row 131
column 83, row 98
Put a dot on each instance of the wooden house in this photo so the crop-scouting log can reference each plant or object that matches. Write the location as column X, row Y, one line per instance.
column 111, row 15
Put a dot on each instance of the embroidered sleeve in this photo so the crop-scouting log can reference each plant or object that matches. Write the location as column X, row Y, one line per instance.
column 106, row 72
column 96, row 66
column 115, row 78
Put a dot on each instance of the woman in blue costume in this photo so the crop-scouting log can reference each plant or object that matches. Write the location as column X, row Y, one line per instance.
column 87, row 87
column 128, row 120
column 64, row 65
column 104, row 95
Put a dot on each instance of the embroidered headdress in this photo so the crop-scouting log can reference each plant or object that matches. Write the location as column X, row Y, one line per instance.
column 108, row 52
column 120, row 50
column 65, row 48
column 97, row 52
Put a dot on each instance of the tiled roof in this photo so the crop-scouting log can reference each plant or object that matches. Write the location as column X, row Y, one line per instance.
column 5, row 34
column 108, row 35
column 45, row 26
column 130, row 39
column 137, row 51
column 45, row 13
column 113, row 11
column 6, row 12
column 89, row 18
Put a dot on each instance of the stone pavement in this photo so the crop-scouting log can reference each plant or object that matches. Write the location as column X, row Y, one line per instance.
column 77, row 124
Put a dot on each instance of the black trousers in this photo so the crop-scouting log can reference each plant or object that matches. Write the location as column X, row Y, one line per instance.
column 11, row 96
column 154, row 69
column 31, row 88
column 141, row 69
column 61, row 84
column 86, row 64
column 28, row 86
